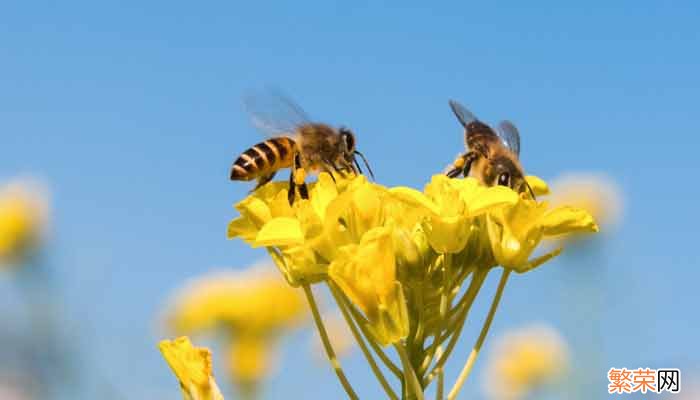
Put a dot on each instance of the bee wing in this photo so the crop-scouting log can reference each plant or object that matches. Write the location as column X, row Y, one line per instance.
column 464, row 116
column 274, row 114
column 509, row 135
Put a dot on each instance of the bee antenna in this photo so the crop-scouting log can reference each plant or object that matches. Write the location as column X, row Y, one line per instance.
column 366, row 164
column 357, row 164
column 532, row 193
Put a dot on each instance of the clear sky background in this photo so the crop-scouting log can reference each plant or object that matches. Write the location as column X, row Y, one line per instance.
column 132, row 115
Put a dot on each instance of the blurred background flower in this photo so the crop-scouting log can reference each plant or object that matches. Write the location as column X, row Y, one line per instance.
column 248, row 310
column 523, row 361
column 598, row 193
column 23, row 218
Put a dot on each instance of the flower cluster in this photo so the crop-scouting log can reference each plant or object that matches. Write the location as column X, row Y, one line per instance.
column 396, row 258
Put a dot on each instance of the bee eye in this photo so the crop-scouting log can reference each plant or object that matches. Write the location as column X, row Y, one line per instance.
column 348, row 139
column 504, row 179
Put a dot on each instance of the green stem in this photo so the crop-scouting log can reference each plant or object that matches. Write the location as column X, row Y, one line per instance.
column 428, row 359
column 472, row 291
column 414, row 390
column 482, row 337
column 360, row 341
column 439, row 393
column 327, row 344
column 362, row 322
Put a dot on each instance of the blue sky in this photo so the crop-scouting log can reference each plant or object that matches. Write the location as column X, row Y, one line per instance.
column 132, row 114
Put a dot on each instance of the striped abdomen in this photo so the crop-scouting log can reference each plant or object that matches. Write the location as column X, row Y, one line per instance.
column 263, row 159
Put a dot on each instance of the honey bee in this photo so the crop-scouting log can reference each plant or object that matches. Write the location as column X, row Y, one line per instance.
column 492, row 156
column 296, row 143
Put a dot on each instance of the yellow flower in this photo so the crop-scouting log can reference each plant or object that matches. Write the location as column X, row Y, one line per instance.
column 192, row 367
column 523, row 360
column 23, row 209
column 366, row 273
column 450, row 206
column 515, row 231
column 597, row 194
column 251, row 300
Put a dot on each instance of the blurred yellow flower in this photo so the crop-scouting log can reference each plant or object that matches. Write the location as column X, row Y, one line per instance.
column 253, row 307
column 523, row 360
column 255, row 300
column 596, row 193
column 250, row 360
column 23, row 212
column 192, row 367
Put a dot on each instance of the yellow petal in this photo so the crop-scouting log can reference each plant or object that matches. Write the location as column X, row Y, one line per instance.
column 563, row 220
column 192, row 367
column 538, row 186
column 242, row 228
column 491, row 198
column 415, row 198
column 280, row 232
column 366, row 274
column 254, row 209
column 322, row 193
column 447, row 235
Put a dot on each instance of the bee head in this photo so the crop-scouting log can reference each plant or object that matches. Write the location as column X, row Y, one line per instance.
column 505, row 172
column 348, row 151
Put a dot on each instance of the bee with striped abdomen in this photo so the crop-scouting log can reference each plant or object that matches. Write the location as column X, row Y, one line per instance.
column 492, row 156
column 295, row 143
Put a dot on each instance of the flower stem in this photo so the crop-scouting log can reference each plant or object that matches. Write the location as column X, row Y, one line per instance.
column 414, row 390
column 482, row 337
column 327, row 344
column 362, row 322
column 472, row 291
column 361, row 342
column 439, row 393
column 446, row 268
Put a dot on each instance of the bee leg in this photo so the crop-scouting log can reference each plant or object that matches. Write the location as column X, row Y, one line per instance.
column 329, row 172
column 469, row 158
column 263, row 180
column 457, row 166
column 304, row 191
column 292, row 189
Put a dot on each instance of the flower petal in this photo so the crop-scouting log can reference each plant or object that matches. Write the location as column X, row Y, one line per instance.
column 192, row 366
column 415, row 198
column 280, row 232
column 538, row 186
column 491, row 198
column 566, row 219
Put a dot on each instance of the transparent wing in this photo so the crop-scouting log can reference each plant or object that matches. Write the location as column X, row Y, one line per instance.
column 464, row 116
column 509, row 135
column 273, row 113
